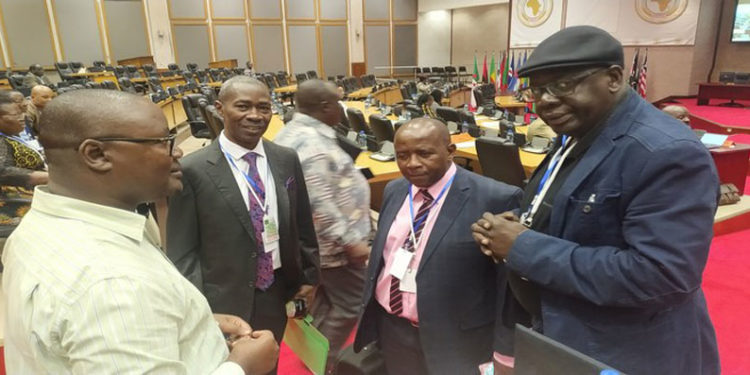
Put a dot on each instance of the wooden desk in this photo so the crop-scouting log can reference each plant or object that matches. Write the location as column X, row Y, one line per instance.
column 458, row 98
column 360, row 94
column 732, row 163
column 137, row 61
column 707, row 91
column 510, row 103
column 229, row 63
column 389, row 95
column 5, row 84
column 286, row 89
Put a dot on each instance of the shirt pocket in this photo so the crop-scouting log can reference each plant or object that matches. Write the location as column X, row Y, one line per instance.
column 595, row 218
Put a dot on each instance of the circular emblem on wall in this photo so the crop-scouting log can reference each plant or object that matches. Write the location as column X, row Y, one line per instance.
column 660, row 11
column 533, row 13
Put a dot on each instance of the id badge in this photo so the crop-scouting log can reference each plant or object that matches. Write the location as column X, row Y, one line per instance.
column 270, row 234
column 400, row 263
column 409, row 282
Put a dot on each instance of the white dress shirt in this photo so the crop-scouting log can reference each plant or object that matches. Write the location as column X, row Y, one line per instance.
column 264, row 171
column 87, row 292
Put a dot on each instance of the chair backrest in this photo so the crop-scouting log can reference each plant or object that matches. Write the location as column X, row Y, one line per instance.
column 742, row 78
column 155, row 84
column 270, row 80
column 173, row 67
column 63, row 69
column 198, row 126
column 215, row 74
column 500, row 161
column 213, row 119
column 126, row 85
column 426, row 70
column 133, row 71
column 414, row 110
column 312, row 74
column 301, row 77
column 109, row 85
column 75, row 65
column 120, row 72
column 281, row 79
column 192, row 67
column 381, row 128
column 149, row 70
column 357, row 120
column 448, row 114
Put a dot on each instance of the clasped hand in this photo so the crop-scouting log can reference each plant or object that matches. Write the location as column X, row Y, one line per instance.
column 495, row 234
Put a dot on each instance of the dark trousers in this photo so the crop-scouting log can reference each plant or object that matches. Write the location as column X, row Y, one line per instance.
column 399, row 343
column 269, row 311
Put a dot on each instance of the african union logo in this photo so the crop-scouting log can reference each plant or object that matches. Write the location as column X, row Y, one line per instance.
column 533, row 13
column 660, row 11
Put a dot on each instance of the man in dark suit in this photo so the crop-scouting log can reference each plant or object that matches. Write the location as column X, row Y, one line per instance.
column 429, row 301
column 35, row 76
column 617, row 221
column 241, row 229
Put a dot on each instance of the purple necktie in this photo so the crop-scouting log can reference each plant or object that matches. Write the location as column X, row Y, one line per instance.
column 420, row 219
column 264, row 275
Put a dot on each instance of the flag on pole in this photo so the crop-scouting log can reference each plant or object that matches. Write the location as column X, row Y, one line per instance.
column 642, row 77
column 473, row 99
column 633, row 80
column 475, row 77
column 501, row 74
column 513, row 83
column 525, row 80
column 506, row 66
column 484, row 69
column 493, row 72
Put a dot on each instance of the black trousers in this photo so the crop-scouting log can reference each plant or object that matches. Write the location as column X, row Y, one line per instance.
column 269, row 311
column 399, row 343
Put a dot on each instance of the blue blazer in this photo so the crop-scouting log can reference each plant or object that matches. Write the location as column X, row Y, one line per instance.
column 630, row 228
column 458, row 287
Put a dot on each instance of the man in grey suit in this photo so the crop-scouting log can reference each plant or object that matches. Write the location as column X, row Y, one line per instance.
column 241, row 229
column 429, row 301
column 35, row 76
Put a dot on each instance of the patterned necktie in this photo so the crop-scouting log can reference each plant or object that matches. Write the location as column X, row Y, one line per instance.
column 264, row 274
column 420, row 219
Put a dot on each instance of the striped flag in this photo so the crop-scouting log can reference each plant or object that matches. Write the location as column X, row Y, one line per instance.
column 484, row 69
column 513, row 85
column 642, row 77
column 493, row 72
column 475, row 77
column 499, row 85
column 504, row 71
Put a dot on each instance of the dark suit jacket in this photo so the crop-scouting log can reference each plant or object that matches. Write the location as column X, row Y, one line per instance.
column 210, row 236
column 458, row 287
column 629, row 233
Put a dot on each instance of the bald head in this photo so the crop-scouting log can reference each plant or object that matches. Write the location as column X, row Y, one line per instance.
column 230, row 86
column 41, row 95
column 679, row 112
column 318, row 99
column 428, row 127
column 424, row 151
column 79, row 114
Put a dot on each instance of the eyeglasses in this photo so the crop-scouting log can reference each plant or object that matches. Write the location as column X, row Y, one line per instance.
column 562, row 87
column 170, row 140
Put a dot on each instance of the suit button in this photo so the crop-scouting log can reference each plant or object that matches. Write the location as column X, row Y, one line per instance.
column 251, row 285
column 372, row 278
column 253, row 255
column 586, row 209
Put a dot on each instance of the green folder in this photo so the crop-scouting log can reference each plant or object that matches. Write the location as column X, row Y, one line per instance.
column 307, row 343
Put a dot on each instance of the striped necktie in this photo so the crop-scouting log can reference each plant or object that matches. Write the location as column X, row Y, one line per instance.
column 264, row 274
column 420, row 219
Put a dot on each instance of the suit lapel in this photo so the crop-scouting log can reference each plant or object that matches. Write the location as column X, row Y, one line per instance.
column 221, row 175
column 454, row 201
column 603, row 145
column 281, row 172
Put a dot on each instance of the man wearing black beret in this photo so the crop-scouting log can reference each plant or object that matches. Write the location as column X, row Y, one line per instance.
column 609, row 246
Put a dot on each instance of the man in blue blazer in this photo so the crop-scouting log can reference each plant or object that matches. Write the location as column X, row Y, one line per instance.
column 615, row 225
column 430, row 296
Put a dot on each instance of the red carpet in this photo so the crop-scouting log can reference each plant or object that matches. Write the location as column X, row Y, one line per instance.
column 731, row 116
column 726, row 283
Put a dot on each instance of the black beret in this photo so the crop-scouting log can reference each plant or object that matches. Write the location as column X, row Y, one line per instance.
column 574, row 46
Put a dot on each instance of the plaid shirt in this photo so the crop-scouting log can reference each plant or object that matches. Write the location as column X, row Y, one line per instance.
column 339, row 193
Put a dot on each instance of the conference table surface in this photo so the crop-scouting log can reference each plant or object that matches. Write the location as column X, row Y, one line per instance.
column 385, row 171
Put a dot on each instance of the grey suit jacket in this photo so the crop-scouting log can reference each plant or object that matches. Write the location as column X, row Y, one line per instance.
column 460, row 291
column 210, row 236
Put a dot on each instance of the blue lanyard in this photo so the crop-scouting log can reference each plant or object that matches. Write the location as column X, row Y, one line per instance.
column 552, row 164
column 253, row 186
column 411, row 206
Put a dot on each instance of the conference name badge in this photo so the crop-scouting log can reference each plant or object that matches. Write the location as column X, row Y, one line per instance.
column 400, row 263
column 270, row 234
column 409, row 282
